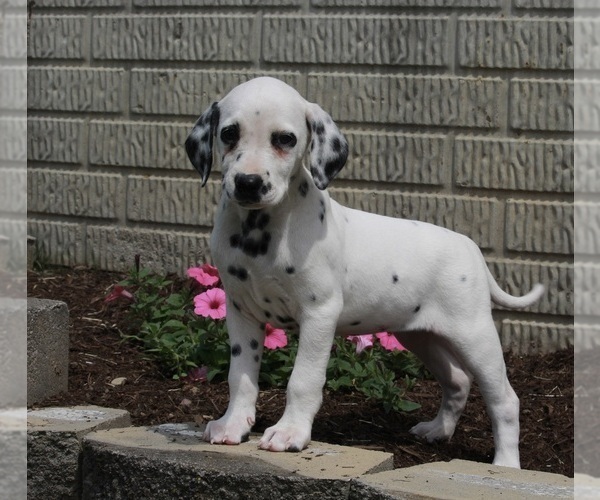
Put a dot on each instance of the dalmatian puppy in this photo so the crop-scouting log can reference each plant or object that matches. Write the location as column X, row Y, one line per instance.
column 291, row 256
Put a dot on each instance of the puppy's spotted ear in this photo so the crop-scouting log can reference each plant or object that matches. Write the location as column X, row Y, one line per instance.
column 328, row 147
column 199, row 144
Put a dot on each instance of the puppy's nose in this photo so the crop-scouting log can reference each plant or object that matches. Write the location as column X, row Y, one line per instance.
column 247, row 187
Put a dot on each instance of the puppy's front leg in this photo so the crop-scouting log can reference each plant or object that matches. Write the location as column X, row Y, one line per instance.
column 246, row 340
column 305, row 388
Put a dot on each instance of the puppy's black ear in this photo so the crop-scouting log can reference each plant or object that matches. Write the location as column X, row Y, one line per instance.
column 328, row 146
column 199, row 144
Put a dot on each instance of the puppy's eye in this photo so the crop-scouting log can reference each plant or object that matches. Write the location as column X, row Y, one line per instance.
column 230, row 135
column 285, row 140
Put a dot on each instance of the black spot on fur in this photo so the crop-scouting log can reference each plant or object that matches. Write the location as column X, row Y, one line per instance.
column 395, row 278
column 236, row 305
column 254, row 344
column 285, row 319
column 239, row 156
column 293, row 449
column 256, row 358
column 267, row 314
column 253, row 245
column 313, row 298
column 236, row 350
column 267, row 300
column 290, row 269
column 463, row 278
column 303, row 188
column 417, row 309
column 355, row 323
column 239, row 272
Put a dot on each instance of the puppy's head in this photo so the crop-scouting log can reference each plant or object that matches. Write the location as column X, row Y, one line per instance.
column 261, row 131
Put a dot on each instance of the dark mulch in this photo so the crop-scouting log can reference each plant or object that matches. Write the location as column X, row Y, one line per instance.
column 98, row 356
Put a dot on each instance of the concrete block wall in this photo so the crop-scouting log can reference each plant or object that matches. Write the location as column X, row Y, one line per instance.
column 458, row 112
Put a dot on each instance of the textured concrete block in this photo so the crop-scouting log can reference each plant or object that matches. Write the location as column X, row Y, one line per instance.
column 511, row 164
column 59, row 243
column 587, row 159
column 54, row 438
column 114, row 248
column 184, row 92
column 172, row 201
column 587, row 100
column 13, row 34
column 408, row 3
column 587, row 218
column 74, row 193
column 404, row 158
column 543, row 227
column 13, row 459
column 541, row 105
column 586, row 337
column 184, row 38
column 47, row 349
column 409, row 100
column 389, row 40
column 13, row 191
column 13, row 139
column 515, row 43
column 587, row 280
column 474, row 217
column 13, row 352
column 587, row 48
column 79, row 3
column 55, row 140
column 532, row 338
column 544, row 4
column 14, row 95
column 518, row 277
column 216, row 3
column 139, row 144
column 75, row 89
column 57, row 37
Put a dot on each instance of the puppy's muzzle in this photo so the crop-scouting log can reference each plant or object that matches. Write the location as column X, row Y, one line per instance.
column 248, row 188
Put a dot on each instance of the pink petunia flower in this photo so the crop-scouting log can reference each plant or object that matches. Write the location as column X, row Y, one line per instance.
column 198, row 374
column 389, row 341
column 211, row 304
column 117, row 292
column 274, row 337
column 361, row 341
column 206, row 275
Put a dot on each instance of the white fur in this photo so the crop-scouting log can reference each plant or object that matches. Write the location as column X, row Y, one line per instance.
column 290, row 255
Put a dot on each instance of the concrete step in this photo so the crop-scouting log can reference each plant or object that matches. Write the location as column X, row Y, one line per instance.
column 171, row 461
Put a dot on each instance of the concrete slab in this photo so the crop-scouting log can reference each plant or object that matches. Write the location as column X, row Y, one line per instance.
column 54, row 446
column 461, row 479
column 587, row 487
column 13, row 459
column 47, row 349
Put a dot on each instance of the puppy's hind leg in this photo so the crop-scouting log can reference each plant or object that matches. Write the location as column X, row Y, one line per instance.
column 450, row 373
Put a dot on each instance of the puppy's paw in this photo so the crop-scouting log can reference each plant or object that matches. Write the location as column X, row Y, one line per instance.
column 433, row 431
column 228, row 430
column 282, row 437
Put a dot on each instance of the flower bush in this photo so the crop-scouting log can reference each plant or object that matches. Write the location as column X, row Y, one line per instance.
column 184, row 330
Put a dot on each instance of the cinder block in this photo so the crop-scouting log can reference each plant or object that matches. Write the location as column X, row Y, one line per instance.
column 78, row 3
column 173, row 201
column 14, row 95
column 474, row 217
column 517, row 277
column 587, row 112
column 13, row 459
column 14, row 27
column 587, row 174
column 186, row 92
column 409, row 100
column 587, row 277
column 515, row 43
column 13, row 352
column 531, row 338
column 13, row 139
column 55, row 140
column 139, row 144
column 74, row 193
column 113, row 248
column 587, row 50
column 513, row 164
column 54, row 437
column 409, row 3
column 393, row 40
column 542, row 227
column 216, row 3
column 227, row 38
column 587, row 215
column 75, row 89
column 547, row 4
column 403, row 158
column 13, row 191
column 47, row 349
column 544, row 105
column 59, row 243
column 56, row 37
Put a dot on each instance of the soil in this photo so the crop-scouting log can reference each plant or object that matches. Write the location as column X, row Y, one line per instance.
column 98, row 355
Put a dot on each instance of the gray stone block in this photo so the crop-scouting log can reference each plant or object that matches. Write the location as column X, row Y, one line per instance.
column 409, row 3
column 545, row 4
column 14, row 95
column 59, row 243
column 74, row 193
column 532, row 338
column 540, row 226
column 587, row 173
column 393, row 40
column 587, row 50
column 514, row 164
column 587, row 112
column 55, row 140
column 13, row 352
column 56, row 37
column 13, row 191
column 54, row 446
column 587, row 214
column 587, row 277
column 47, row 349
column 13, row 459
column 75, row 89
column 409, row 100
column 187, row 92
column 544, row 105
column 13, row 139
column 216, row 3
column 515, row 43
column 225, row 38
column 12, row 30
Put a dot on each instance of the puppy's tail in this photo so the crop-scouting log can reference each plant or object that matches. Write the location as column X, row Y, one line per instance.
column 504, row 299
